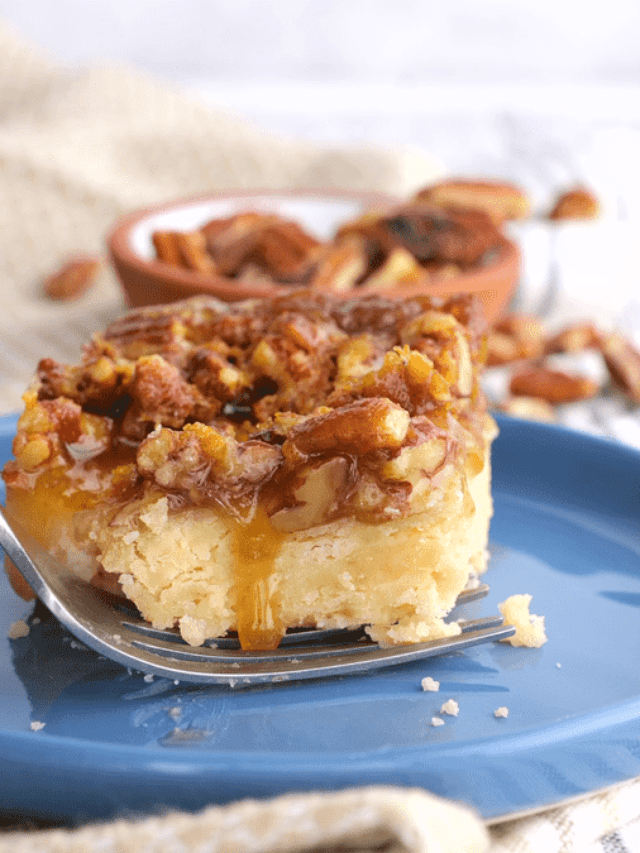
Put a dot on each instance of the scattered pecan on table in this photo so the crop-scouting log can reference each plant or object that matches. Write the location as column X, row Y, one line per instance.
column 537, row 382
column 73, row 278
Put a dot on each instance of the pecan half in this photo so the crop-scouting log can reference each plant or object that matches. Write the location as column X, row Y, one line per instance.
column 73, row 279
column 623, row 361
column 574, row 338
column 515, row 337
column 577, row 203
column 499, row 199
column 554, row 386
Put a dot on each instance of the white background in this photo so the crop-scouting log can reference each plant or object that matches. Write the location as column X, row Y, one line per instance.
column 546, row 93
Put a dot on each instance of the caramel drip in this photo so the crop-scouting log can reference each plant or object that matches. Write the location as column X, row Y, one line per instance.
column 47, row 506
column 256, row 546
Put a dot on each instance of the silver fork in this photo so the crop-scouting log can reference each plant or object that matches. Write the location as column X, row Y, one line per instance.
column 117, row 631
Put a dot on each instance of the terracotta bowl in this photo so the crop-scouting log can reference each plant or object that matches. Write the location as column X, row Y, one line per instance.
column 147, row 281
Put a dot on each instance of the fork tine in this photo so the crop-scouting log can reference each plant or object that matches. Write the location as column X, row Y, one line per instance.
column 204, row 664
column 157, row 644
column 302, row 643
column 120, row 633
column 472, row 594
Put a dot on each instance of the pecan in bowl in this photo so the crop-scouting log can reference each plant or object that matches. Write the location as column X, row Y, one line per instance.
column 266, row 244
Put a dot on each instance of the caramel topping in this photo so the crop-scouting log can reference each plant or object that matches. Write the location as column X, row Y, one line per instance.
column 256, row 546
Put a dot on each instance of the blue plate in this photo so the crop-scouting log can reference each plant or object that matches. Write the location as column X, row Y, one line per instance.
column 566, row 530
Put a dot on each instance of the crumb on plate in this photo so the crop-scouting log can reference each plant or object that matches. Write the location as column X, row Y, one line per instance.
column 430, row 684
column 18, row 629
column 450, row 707
column 529, row 627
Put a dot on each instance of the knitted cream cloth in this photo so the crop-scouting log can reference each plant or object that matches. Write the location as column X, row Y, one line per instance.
column 78, row 148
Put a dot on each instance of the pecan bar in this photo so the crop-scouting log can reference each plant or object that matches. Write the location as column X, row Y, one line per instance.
column 263, row 465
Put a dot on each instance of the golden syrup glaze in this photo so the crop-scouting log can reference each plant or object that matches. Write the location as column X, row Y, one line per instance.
column 49, row 507
column 256, row 545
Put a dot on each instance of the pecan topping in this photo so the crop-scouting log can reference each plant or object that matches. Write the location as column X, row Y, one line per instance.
column 161, row 393
column 204, row 464
column 244, row 402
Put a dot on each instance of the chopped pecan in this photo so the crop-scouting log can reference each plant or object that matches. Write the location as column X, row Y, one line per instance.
column 316, row 496
column 283, row 250
column 442, row 338
column 161, row 393
column 205, row 463
column 355, row 358
column 407, row 377
column 180, row 460
column 215, row 376
column 48, row 427
column 73, row 279
column 554, row 386
column 184, row 249
column 31, row 451
column 167, row 248
column 265, row 242
column 357, row 429
column 193, row 252
column 419, row 460
column 434, row 235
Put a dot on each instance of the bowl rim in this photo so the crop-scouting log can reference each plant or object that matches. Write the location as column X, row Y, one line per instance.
column 122, row 253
